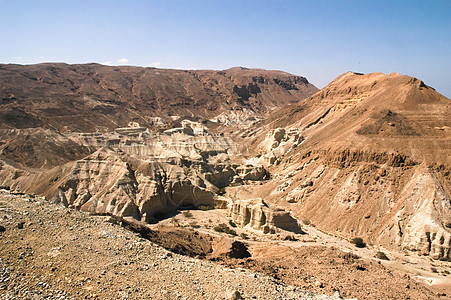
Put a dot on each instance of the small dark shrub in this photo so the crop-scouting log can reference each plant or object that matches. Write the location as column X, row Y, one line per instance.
column 231, row 223
column 244, row 236
column 381, row 255
column 290, row 238
column 205, row 207
column 231, row 232
column 358, row 242
column 187, row 214
column 224, row 228
column 218, row 229
column 360, row 268
column 221, row 228
column 194, row 225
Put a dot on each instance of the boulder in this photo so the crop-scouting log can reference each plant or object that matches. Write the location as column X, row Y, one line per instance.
column 226, row 247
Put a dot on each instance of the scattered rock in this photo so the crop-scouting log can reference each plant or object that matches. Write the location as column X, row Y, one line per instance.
column 234, row 295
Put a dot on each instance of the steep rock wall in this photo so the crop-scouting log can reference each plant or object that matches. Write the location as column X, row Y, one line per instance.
column 386, row 199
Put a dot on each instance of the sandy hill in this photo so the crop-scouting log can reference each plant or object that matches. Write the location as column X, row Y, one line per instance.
column 375, row 112
column 368, row 155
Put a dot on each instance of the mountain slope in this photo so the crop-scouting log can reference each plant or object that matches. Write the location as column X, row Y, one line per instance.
column 369, row 155
column 94, row 97
column 374, row 112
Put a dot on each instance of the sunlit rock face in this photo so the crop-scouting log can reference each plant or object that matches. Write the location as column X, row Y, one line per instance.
column 107, row 183
column 256, row 214
column 142, row 174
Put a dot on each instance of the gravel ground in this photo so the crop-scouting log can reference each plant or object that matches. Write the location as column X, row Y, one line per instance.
column 49, row 252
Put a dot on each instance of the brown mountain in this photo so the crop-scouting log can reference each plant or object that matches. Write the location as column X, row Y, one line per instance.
column 92, row 97
column 368, row 156
column 132, row 141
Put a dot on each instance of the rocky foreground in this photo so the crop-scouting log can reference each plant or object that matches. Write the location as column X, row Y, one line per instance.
column 49, row 252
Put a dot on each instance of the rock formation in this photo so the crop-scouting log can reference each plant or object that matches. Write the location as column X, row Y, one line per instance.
column 256, row 214
column 141, row 174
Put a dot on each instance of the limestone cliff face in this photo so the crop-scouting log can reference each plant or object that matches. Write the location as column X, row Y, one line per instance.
column 256, row 214
column 107, row 183
column 423, row 223
column 138, row 173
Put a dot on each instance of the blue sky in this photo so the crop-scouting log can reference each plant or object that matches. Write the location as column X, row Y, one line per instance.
column 317, row 39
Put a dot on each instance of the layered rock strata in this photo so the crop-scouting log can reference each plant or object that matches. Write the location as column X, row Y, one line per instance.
column 256, row 214
column 370, row 159
column 140, row 174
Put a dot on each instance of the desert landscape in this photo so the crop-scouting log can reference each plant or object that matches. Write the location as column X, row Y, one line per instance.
column 122, row 182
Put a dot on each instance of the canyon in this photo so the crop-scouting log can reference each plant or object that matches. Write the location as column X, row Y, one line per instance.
column 266, row 152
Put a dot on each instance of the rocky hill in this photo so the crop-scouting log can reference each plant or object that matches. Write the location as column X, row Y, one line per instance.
column 367, row 156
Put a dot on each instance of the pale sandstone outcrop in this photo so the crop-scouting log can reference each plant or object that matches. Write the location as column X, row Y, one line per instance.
column 279, row 142
column 192, row 141
column 422, row 223
column 251, row 172
column 140, row 174
column 107, row 183
column 348, row 194
column 243, row 118
column 256, row 214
